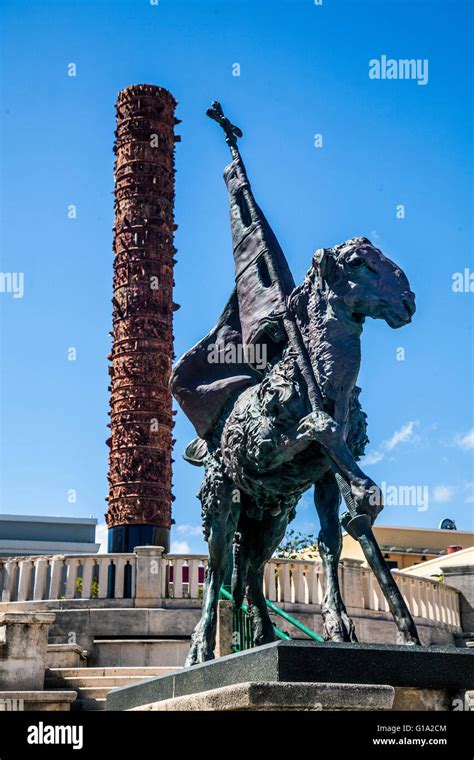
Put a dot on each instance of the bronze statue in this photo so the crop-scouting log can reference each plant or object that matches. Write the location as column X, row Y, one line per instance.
column 268, row 431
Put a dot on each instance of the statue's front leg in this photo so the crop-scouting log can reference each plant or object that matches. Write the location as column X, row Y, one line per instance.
column 323, row 429
column 368, row 500
column 274, row 450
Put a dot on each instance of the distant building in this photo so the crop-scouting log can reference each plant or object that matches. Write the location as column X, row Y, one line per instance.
column 440, row 566
column 456, row 570
column 404, row 547
column 29, row 535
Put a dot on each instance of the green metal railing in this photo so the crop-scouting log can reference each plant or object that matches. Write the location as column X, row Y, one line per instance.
column 242, row 634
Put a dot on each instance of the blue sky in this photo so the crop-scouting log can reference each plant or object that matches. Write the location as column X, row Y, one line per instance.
column 303, row 71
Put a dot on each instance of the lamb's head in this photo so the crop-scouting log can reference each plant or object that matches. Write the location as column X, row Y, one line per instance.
column 365, row 283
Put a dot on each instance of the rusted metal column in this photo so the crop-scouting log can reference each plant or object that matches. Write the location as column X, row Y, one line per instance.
column 139, row 511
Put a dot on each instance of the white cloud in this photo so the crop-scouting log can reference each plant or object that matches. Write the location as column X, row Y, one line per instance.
column 189, row 530
column 443, row 494
column 465, row 440
column 373, row 457
column 469, row 488
column 180, row 547
column 403, row 435
column 101, row 537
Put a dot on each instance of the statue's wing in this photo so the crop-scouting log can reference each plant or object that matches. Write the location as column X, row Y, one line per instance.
column 202, row 380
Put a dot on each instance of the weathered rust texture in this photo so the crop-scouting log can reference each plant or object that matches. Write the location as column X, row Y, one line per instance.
column 141, row 406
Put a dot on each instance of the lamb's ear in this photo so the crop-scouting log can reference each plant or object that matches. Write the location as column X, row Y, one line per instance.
column 325, row 263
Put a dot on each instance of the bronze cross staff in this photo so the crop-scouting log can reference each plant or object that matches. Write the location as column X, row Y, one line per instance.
column 231, row 132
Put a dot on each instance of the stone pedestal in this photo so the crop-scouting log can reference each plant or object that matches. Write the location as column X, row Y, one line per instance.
column 149, row 576
column 462, row 578
column 422, row 700
column 23, row 647
column 66, row 656
column 33, row 701
column 426, row 669
column 224, row 628
column 281, row 696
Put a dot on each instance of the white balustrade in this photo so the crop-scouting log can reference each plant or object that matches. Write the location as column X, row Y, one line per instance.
column 87, row 572
column 9, row 575
column 187, row 574
column 286, row 581
column 41, row 569
column 293, row 581
column 415, row 598
column 57, row 565
column 194, row 565
column 178, row 578
column 103, row 584
column 365, row 574
column 71, row 585
column 37, row 579
column 119, row 577
column 24, row 583
column 423, row 601
column 313, row 580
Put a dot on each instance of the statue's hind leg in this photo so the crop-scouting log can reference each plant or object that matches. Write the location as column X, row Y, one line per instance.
column 337, row 624
column 261, row 539
column 221, row 520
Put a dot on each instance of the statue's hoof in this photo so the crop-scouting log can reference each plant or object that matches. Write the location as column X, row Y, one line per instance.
column 198, row 653
column 267, row 638
column 406, row 639
column 339, row 627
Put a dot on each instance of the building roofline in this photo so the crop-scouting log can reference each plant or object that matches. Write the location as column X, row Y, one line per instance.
column 426, row 530
column 436, row 560
column 49, row 519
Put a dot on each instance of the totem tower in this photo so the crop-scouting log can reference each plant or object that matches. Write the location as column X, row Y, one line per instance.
column 141, row 418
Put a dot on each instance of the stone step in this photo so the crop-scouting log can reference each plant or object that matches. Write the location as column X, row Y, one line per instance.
column 280, row 695
column 140, row 652
column 89, row 705
column 85, row 680
column 45, row 700
column 118, row 662
column 93, row 684
column 66, row 656
column 93, row 692
column 143, row 672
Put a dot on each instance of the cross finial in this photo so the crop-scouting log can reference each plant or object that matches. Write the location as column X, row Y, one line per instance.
column 231, row 132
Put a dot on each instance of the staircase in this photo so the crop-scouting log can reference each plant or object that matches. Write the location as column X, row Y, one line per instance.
column 93, row 684
column 114, row 663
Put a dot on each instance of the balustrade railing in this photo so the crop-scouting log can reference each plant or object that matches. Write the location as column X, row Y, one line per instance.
column 37, row 579
column 425, row 598
column 146, row 575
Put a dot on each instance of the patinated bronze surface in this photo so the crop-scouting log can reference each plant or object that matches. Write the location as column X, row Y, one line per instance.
column 268, row 431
